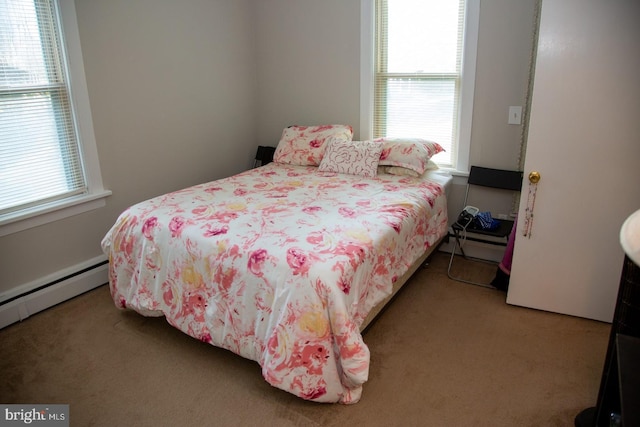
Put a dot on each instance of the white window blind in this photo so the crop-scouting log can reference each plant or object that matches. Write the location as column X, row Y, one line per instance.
column 418, row 71
column 40, row 159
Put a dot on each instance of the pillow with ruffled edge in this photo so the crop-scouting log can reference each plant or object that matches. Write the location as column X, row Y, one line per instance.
column 410, row 153
column 305, row 145
column 351, row 157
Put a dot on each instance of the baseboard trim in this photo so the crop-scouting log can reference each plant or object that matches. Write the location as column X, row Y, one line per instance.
column 34, row 297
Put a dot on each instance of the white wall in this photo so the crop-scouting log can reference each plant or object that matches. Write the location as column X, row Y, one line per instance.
column 172, row 91
column 183, row 92
column 308, row 58
column 504, row 48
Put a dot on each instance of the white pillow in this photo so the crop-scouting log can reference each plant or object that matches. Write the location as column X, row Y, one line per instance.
column 351, row 157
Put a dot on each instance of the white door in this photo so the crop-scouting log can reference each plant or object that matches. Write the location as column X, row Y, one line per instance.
column 584, row 140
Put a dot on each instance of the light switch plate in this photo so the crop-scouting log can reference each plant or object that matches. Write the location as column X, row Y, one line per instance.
column 515, row 115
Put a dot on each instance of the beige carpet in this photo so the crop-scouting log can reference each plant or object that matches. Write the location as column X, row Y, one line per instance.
column 443, row 354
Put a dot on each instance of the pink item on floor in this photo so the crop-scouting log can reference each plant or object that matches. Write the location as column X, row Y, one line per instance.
column 505, row 264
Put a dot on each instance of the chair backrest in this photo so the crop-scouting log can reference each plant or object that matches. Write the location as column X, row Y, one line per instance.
column 496, row 178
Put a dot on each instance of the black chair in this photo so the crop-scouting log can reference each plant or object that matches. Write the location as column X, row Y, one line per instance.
column 465, row 228
column 264, row 155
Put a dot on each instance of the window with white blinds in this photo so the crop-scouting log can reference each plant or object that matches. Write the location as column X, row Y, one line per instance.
column 419, row 47
column 40, row 159
column 49, row 167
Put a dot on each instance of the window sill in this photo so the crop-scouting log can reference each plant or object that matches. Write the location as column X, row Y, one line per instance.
column 24, row 220
column 455, row 172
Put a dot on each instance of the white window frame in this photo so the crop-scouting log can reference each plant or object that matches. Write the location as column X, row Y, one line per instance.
column 95, row 196
column 367, row 54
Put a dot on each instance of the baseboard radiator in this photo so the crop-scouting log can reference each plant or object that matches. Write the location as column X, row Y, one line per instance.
column 31, row 298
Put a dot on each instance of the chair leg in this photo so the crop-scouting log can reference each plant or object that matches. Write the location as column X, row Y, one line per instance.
column 457, row 244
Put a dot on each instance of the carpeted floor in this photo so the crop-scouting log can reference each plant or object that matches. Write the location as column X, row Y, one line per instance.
column 443, row 354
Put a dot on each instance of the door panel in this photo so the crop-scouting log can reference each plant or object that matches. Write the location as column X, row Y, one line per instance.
column 584, row 139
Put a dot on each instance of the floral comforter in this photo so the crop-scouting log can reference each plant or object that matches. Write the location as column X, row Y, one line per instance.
column 279, row 264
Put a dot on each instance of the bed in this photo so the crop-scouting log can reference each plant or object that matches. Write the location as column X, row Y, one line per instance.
column 284, row 264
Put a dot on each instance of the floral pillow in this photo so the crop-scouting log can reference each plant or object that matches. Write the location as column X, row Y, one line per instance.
column 305, row 145
column 352, row 157
column 410, row 153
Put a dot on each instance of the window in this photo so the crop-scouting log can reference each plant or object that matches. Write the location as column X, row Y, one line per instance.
column 423, row 67
column 46, row 165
